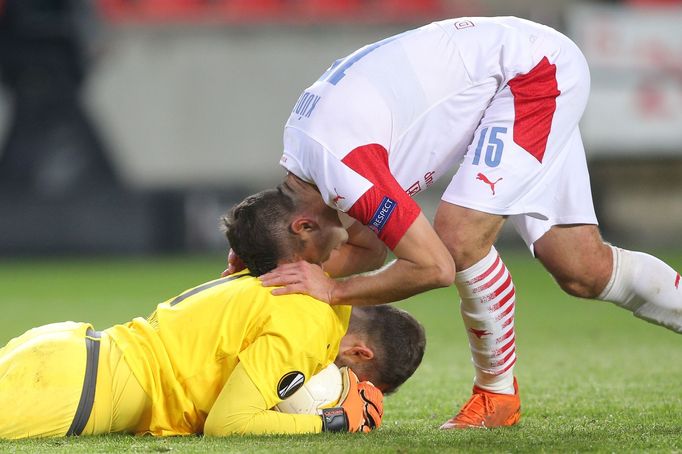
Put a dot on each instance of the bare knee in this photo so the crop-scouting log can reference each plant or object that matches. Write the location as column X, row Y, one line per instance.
column 468, row 234
column 580, row 286
column 584, row 277
column 578, row 259
column 464, row 251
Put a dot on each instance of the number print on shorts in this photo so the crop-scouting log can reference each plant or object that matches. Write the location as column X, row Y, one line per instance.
column 493, row 152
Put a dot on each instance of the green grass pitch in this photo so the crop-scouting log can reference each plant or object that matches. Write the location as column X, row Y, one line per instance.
column 592, row 377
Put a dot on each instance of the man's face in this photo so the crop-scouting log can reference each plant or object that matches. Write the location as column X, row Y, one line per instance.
column 331, row 235
column 328, row 234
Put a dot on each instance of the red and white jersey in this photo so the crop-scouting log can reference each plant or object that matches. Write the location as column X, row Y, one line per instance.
column 391, row 118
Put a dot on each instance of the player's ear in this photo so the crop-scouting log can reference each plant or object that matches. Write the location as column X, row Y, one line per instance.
column 304, row 226
column 360, row 352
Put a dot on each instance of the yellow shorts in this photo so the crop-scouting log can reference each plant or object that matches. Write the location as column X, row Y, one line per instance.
column 41, row 379
column 42, row 374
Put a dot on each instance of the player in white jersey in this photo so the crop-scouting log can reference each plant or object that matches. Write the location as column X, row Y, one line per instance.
column 501, row 98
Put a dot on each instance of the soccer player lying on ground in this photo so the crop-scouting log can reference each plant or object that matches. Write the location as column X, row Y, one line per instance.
column 499, row 100
column 217, row 357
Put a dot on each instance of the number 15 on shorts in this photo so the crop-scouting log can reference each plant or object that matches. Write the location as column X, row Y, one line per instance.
column 493, row 144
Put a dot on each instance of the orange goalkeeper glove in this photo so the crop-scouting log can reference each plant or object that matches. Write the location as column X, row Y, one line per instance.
column 361, row 406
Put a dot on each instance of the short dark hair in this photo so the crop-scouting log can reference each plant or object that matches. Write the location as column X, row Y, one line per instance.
column 398, row 339
column 258, row 229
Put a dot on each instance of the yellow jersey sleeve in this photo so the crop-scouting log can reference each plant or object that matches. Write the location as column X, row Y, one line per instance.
column 240, row 409
column 298, row 340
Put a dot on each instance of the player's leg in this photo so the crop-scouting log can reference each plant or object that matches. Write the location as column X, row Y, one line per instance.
column 586, row 267
column 505, row 172
column 577, row 257
column 487, row 307
column 513, row 167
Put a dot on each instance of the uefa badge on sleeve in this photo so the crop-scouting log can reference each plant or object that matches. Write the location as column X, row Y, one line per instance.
column 290, row 383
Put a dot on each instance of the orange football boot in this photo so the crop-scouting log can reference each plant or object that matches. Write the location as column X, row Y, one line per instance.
column 486, row 409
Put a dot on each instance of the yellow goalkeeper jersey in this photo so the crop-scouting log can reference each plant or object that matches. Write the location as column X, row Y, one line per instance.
column 185, row 351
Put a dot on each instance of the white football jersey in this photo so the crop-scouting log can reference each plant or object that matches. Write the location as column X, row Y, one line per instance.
column 391, row 118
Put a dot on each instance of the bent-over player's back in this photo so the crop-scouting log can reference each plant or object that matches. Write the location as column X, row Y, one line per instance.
column 416, row 98
column 375, row 94
column 185, row 351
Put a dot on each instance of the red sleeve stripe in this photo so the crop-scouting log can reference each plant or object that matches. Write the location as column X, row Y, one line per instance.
column 385, row 207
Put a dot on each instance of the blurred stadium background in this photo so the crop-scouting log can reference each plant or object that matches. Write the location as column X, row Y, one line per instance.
column 129, row 126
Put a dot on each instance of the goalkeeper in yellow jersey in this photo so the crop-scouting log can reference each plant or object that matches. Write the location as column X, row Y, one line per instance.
column 218, row 357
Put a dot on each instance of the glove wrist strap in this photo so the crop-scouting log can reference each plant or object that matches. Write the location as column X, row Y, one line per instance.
column 334, row 420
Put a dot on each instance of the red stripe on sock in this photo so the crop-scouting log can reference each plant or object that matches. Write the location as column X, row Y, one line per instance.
column 507, row 322
column 503, row 301
column 505, row 336
column 491, row 281
column 501, row 289
column 511, row 353
column 505, row 285
column 506, row 312
column 506, row 346
column 485, row 274
column 503, row 361
column 507, row 368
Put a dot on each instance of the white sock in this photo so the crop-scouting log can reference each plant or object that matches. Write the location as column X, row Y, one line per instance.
column 647, row 287
column 487, row 307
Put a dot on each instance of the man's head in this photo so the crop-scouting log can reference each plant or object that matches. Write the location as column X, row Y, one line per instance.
column 384, row 345
column 282, row 225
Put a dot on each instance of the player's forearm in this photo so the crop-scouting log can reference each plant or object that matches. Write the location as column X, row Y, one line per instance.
column 241, row 409
column 264, row 422
column 394, row 282
column 422, row 263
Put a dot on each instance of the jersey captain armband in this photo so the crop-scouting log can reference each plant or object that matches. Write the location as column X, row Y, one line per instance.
column 385, row 207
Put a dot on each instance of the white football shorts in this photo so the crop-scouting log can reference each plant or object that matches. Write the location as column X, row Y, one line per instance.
column 527, row 159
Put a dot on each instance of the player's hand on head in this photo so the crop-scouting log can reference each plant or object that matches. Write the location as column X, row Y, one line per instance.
column 234, row 264
column 300, row 277
column 361, row 406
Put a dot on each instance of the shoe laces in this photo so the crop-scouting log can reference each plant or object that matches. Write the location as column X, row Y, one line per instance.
column 476, row 411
